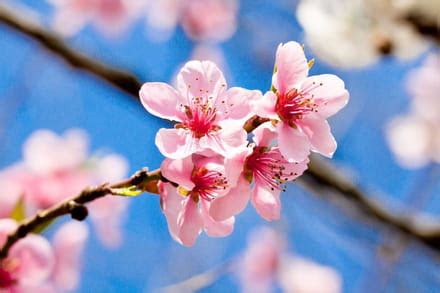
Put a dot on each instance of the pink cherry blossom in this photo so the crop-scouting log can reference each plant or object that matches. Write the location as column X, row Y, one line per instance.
column 301, row 104
column 262, row 171
column 267, row 263
column 57, row 167
column 202, row 20
column 210, row 116
column 110, row 16
column 302, row 275
column 423, row 86
column 260, row 263
column 414, row 137
column 34, row 264
column 213, row 20
column 200, row 181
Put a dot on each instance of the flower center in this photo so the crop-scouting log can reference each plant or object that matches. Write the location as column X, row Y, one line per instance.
column 293, row 105
column 6, row 279
column 266, row 166
column 207, row 183
column 199, row 117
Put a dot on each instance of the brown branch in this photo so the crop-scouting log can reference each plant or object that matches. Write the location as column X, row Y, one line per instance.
column 322, row 178
column 319, row 178
column 51, row 41
column 75, row 206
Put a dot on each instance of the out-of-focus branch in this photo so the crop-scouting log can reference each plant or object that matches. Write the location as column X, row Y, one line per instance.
column 199, row 281
column 319, row 178
column 123, row 80
column 75, row 206
column 322, row 178
column 424, row 26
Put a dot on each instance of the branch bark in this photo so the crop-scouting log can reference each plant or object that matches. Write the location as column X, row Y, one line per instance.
column 75, row 206
column 120, row 79
column 320, row 178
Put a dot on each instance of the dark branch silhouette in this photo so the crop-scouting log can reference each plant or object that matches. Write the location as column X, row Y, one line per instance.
column 320, row 178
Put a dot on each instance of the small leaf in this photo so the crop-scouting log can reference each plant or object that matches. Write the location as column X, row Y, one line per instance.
column 42, row 227
column 126, row 191
column 19, row 211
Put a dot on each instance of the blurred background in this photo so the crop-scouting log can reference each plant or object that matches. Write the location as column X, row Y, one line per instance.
column 383, row 50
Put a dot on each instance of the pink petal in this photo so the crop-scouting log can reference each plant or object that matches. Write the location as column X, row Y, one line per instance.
column 234, row 166
column 293, row 170
column 201, row 78
column 291, row 65
column 293, row 144
column 36, row 259
column 179, row 171
column 266, row 202
column 227, row 141
column 215, row 228
column 326, row 90
column 319, row 133
column 162, row 100
column 190, row 222
column 232, row 203
column 68, row 245
column 6, row 226
column 107, row 215
column 175, row 143
column 265, row 134
column 237, row 103
column 172, row 205
column 265, row 106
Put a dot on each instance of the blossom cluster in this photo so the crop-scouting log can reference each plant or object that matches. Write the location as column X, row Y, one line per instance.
column 202, row 20
column 357, row 33
column 214, row 167
column 36, row 265
column 57, row 167
column 53, row 169
column 266, row 263
column 415, row 137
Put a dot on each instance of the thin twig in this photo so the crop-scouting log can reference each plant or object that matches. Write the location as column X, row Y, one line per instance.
column 320, row 177
column 199, row 281
column 75, row 206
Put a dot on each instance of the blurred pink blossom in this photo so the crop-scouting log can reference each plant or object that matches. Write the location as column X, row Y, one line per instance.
column 210, row 116
column 200, row 181
column 35, row 265
column 266, row 264
column 57, row 167
column 414, row 137
column 301, row 105
column 202, row 20
column 111, row 17
column 261, row 170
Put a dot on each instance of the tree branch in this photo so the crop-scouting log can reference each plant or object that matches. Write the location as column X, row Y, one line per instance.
column 123, row 80
column 75, row 206
column 319, row 178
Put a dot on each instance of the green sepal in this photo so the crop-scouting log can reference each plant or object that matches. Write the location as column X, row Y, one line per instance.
column 19, row 211
column 126, row 191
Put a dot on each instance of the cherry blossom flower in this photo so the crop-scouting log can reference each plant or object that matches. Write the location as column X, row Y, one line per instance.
column 202, row 20
column 357, row 33
column 111, row 17
column 210, row 117
column 186, row 207
column 414, row 138
column 261, row 170
column 35, row 265
column 266, row 263
column 300, row 105
column 57, row 167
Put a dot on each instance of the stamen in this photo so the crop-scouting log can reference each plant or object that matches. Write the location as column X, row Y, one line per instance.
column 208, row 183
